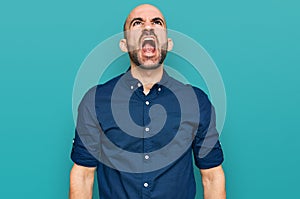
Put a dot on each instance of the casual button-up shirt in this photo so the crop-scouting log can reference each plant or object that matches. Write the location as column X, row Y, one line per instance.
column 143, row 145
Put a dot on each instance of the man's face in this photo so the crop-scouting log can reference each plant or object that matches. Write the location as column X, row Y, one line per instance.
column 146, row 37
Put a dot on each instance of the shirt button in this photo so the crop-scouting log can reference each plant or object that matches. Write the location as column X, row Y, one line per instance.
column 146, row 184
column 139, row 84
column 131, row 87
column 147, row 129
column 159, row 89
column 147, row 157
column 147, row 102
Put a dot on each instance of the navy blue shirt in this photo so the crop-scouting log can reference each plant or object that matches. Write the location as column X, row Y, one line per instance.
column 143, row 145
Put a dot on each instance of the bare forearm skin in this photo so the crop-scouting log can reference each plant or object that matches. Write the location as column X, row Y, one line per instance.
column 213, row 181
column 81, row 182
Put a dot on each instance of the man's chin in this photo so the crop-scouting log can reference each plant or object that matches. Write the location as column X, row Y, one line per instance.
column 150, row 63
column 147, row 63
column 151, row 66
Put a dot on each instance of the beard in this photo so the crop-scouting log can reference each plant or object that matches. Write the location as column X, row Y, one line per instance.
column 140, row 62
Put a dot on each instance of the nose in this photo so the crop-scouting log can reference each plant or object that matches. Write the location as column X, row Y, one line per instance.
column 147, row 32
column 148, row 25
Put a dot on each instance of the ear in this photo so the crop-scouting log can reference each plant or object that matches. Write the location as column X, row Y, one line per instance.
column 170, row 44
column 123, row 45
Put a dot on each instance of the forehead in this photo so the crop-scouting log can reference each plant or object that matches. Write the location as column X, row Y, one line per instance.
column 144, row 12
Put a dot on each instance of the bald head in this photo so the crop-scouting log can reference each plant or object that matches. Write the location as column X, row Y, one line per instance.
column 145, row 37
column 143, row 11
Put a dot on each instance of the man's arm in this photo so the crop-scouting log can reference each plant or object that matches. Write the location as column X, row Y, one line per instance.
column 213, row 181
column 81, row 182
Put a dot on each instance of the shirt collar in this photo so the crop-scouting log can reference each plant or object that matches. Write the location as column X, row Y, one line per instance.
column 134, row 83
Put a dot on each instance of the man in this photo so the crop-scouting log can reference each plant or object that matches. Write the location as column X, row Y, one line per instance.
column 186, row 121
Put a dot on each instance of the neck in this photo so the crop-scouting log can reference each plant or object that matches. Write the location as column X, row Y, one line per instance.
column 147, row 77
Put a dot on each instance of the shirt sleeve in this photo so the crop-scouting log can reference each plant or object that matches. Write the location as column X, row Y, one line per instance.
column 85, row 150
column 206, row 145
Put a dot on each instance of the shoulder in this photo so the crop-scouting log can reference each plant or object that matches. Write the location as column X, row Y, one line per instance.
column 103, row 87
column 99, row 90
column 201, row 96
column 110, row 84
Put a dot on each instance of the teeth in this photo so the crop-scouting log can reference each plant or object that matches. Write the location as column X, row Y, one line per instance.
column 148, row 39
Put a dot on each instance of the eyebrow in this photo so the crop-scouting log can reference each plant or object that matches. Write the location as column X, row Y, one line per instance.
column 158, row 19
column 141, row 19
column 135, row 19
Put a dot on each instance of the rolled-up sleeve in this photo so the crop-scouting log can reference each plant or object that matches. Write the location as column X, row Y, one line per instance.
column 86, row 143
column 206, row 145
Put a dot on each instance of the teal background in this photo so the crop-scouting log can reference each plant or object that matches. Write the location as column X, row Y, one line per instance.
column 255, row 45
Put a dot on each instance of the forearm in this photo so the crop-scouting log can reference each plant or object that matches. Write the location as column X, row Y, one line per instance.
column 214, row 190
column 81, row 185
column 214, row 184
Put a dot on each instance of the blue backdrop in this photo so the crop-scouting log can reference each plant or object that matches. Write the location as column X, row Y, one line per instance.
column 255, row 45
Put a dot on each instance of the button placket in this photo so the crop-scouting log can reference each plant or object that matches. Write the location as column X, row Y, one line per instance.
column 147, row 181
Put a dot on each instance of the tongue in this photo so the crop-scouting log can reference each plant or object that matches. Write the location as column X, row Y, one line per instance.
column 148, row 48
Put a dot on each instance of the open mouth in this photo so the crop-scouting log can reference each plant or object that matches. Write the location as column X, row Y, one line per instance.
column 149, row 45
